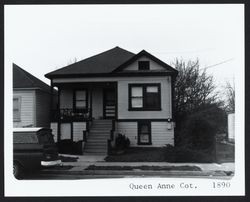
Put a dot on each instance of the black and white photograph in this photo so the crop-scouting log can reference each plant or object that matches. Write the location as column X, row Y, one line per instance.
column 124, row 100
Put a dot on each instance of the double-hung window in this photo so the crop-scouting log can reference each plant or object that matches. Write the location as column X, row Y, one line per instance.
column 80, row 99
column 145, row 97
column 16, row 109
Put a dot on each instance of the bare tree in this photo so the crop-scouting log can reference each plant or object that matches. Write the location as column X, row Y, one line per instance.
column 194, row 88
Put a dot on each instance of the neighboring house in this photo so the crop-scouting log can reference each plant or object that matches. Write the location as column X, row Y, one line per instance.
column 119, row 91
column 31, row 100
column 231, row 126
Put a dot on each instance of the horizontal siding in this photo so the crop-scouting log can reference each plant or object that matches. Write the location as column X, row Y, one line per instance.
column 53, row 127
column 42, row 109
column 129, row 129
column 27, row 108
column 162, row 134
column 78, row 128
column 65, row 131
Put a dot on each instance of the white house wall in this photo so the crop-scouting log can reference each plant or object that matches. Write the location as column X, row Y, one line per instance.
column 153, row 65
column 161, row 133
column 78, row 128
column 53, row 127
column 27, row 116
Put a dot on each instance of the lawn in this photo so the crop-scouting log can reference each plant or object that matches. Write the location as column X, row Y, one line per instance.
column 224, row 153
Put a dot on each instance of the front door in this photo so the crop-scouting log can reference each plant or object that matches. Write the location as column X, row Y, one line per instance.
column 109, row 103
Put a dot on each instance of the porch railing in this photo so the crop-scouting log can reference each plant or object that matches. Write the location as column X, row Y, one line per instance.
column 70, row 114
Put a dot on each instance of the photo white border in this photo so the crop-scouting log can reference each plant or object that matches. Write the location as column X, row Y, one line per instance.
column 120, row 187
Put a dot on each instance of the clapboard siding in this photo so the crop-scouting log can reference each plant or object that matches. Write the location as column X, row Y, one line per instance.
column 78, row 128
column 161, row 134
column 27, row 108
column 42, row 109
column 130, row 130
column 65, row 131
column 53, row 126
column 153, row 65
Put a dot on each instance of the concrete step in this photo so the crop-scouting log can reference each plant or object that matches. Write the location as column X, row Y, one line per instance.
column 99, row 131
column 95, row 143
column 96, row 151
column 98, row 137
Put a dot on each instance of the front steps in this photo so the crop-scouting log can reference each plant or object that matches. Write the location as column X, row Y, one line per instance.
column 97, row 140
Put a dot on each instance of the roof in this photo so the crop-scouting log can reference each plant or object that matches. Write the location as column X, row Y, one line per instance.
column 109, row 63
column 23, row 79
column 104, row 62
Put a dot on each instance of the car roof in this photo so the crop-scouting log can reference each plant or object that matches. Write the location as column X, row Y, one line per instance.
column 28, row 129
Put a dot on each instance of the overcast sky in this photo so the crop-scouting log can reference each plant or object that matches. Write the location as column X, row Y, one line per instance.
column 41, row 39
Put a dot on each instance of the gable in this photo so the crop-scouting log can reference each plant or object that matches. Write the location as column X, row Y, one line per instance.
column 134, row 66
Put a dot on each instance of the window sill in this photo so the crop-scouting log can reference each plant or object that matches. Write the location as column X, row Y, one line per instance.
column 144, row 109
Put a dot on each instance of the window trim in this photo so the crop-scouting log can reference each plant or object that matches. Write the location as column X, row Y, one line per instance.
column 139, row 124
column 144, row 87
column 143, row 61
column 74, row 98
column 18, row 119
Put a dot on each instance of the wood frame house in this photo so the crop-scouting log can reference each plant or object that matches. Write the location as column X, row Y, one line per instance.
column 115, row 92
column 31, row 100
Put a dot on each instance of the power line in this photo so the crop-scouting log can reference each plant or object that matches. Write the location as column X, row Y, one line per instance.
column 225, row 61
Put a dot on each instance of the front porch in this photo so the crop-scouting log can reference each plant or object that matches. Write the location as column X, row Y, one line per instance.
column 80, row 106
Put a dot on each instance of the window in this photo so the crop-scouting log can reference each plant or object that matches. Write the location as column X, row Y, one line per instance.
column 17, row 109
column 144, row 132
column 80, row 99
column 143, row 65
column 144, row 97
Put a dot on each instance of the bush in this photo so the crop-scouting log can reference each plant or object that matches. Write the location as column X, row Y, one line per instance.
column 184, row 154
column 67, row 146
column 121, row 142
column 197, row 133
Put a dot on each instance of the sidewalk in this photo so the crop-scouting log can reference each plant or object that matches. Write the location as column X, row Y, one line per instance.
column 78, row 168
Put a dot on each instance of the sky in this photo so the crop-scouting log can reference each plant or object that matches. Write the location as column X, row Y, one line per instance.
column 43, row 38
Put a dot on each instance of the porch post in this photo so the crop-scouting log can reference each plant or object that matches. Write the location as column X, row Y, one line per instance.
column 90, row 111
column 59, row 116
column 51, row 99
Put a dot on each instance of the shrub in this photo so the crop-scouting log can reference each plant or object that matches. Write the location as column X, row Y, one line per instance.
column 67, row 146
column 198, row 133
column 184, row 154
column 121, row 142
